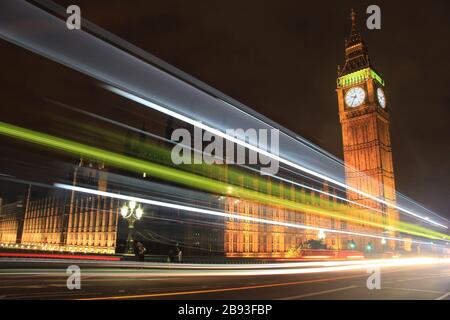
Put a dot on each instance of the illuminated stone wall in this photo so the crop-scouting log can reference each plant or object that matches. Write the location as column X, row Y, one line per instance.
column 71, row 221
column 43, row 222
column 9, row 222
column 92, row 225
column 262, row 240
column 76, row 223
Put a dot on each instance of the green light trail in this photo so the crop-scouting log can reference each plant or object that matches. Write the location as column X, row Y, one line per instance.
column 207, row 184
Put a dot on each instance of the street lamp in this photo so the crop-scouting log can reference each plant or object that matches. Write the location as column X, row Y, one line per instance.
column 131, row 213
column 321, row 235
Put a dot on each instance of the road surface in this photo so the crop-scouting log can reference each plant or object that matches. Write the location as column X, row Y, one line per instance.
column 48, row 280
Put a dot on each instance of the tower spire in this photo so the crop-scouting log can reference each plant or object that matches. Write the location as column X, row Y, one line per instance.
column 353, row 17
column 355, row 36
column 356, row 55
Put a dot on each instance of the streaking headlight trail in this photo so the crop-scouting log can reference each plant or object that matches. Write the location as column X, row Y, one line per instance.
column 264, row 152
column 178, row 176
column 142, row 82
column 219, row 213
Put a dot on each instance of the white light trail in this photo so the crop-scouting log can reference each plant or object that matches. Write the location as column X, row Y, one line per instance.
column 196, row 150
column 324, row 192
column 358, row 265
column 215, row 270
column 223, row 214
column 219, row 133
column 99, row 59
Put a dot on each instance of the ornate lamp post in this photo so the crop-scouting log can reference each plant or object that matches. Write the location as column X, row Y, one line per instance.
column 131, row 213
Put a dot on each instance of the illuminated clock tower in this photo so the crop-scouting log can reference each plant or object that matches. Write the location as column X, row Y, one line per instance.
column 364, row 117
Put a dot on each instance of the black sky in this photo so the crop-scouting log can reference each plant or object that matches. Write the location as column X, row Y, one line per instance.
column 280, row 58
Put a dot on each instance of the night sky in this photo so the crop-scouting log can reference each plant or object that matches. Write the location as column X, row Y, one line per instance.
column 280, row 58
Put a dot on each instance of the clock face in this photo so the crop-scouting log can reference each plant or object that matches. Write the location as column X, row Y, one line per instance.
column 355, row 97
column 381, row 98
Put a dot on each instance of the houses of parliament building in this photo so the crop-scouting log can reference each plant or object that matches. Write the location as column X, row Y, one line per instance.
column 73, row 222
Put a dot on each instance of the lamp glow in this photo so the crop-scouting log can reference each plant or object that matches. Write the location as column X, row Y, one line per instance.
column 139, row 212
column 124, row 211
column 321, row 235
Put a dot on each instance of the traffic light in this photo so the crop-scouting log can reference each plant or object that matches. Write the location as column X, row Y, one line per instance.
column 351, row 244
column 369, row 246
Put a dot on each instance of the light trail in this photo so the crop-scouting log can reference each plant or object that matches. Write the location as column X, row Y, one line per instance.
column 223, row 214
column 57, row 256
column 113, row 122
column 321, row 191
column 178, row 273
column 186, row 178
column 164, row 87
column 112, row 263
column 196, row 270
column 95, row 116
column 221, row 134
column 197, row 150
column 177, row 293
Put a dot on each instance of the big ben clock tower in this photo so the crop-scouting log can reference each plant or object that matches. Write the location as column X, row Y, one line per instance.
column 364, row 117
